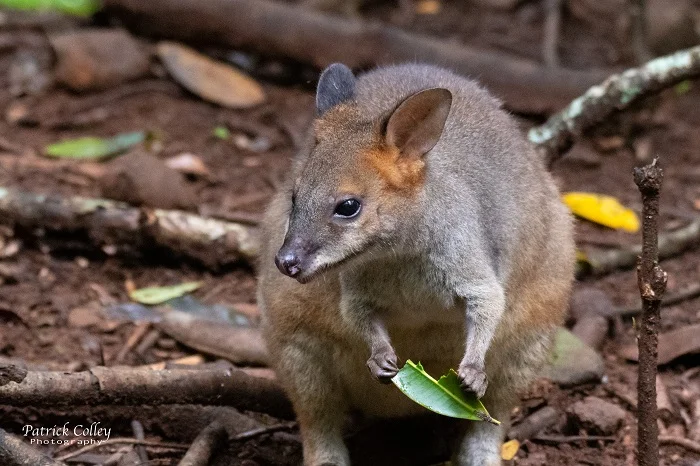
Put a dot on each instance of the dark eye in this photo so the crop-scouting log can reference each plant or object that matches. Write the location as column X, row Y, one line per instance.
column 347, row 208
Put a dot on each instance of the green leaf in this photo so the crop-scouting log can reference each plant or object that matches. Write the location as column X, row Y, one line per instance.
column 444, row 396
column 92, row 148
column 221, row 132
column 683, row 87
column 71, row 7
column 161, row 294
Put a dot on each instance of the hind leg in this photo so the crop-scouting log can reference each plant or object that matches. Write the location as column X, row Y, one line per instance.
column 318, row 402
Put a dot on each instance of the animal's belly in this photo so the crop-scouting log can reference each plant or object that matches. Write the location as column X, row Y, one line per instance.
column 438, row 347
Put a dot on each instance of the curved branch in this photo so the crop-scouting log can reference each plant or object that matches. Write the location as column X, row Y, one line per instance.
column 554, row 137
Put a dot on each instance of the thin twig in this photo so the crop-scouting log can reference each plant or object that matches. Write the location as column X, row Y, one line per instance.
column 639, row 31
column 686, row 443
column 652, row 284
column 556, row 439
column 672, row 299
column 263, row 430
column 15, row 452
column 118, row 441
column 671, row 243
column 203, row 447
column 552, row 28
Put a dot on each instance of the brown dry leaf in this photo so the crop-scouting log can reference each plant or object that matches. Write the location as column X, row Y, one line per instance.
column 696, row 204
column 428, row 7
column 673, row 344
column 189, row 164
column 211, row 80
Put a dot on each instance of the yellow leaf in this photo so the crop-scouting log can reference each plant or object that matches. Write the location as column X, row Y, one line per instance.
column 604, row 210
column 509, row 449
column 209, row 79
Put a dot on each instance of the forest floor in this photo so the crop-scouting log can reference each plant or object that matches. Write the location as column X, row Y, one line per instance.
column 49, row 280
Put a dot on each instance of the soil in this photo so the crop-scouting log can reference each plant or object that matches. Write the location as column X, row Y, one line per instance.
column 50, row 276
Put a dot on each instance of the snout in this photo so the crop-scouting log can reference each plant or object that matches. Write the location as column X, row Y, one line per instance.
column 295, row 258
column 288, row 263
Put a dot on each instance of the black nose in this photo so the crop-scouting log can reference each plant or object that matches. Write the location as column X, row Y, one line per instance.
column 288, row 263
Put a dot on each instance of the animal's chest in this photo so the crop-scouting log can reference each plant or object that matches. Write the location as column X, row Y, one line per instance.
column 412, row 295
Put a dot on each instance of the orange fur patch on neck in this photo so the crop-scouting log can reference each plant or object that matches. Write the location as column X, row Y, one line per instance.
column 398, row 172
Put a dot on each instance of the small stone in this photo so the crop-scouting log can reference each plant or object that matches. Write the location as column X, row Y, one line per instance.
column 589, row 301
column 140, row 178
column 596, row 416
column 573, row 361
column 90, row 59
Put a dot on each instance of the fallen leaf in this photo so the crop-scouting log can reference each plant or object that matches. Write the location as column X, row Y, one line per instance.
column 221, row 132
column 509, row 450
column 696, row 204
column 91, row 148
column 601, row 209
column 672, row 345
column 71, row 7
column 428, row 7
column 188, row 164
column 193, row 360
column 444, row 396
column 161, row 294
column 209, row 79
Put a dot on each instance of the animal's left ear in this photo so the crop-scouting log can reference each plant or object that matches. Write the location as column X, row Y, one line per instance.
column 336, row 85
column 417, row 123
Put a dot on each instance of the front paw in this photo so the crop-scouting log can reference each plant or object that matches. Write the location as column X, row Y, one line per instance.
column 473, row 379
column 383, row 365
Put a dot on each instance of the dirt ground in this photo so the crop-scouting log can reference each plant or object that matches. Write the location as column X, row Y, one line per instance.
column 49, row 277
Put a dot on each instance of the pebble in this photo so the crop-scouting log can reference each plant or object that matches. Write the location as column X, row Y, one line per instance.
column 596, row 416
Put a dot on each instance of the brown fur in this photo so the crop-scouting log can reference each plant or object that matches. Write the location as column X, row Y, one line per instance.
column 469, row 238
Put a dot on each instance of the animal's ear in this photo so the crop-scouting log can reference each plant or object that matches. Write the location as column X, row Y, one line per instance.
column 417, row 123
column 336, row 85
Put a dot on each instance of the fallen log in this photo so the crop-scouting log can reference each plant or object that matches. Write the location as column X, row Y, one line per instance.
column 279, row 29
column 213, row 242
column 139, row 386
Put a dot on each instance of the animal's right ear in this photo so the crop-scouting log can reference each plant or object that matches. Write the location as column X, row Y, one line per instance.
column 336, row 85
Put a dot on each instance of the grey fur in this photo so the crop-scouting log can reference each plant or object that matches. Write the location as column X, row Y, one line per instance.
column 336, row 85
column 473, row 271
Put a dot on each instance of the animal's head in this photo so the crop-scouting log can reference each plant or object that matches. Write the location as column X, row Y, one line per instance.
column 359, row 182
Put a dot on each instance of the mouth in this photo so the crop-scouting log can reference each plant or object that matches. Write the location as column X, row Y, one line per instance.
column 306, row 277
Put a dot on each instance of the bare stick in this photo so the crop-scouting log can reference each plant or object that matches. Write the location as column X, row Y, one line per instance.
column 688, row 444
column 15, row 452
column 279, row 29
column 119, row 441
column 136, row 386
column 639, row 31
column 671, row 244
column 213, row 242
column 552, row 28
column 691, row 292
column 207, row 442
column 652, row 284
column 617, row 92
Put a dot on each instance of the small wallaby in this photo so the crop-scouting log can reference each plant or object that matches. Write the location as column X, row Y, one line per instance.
column 419, row 224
